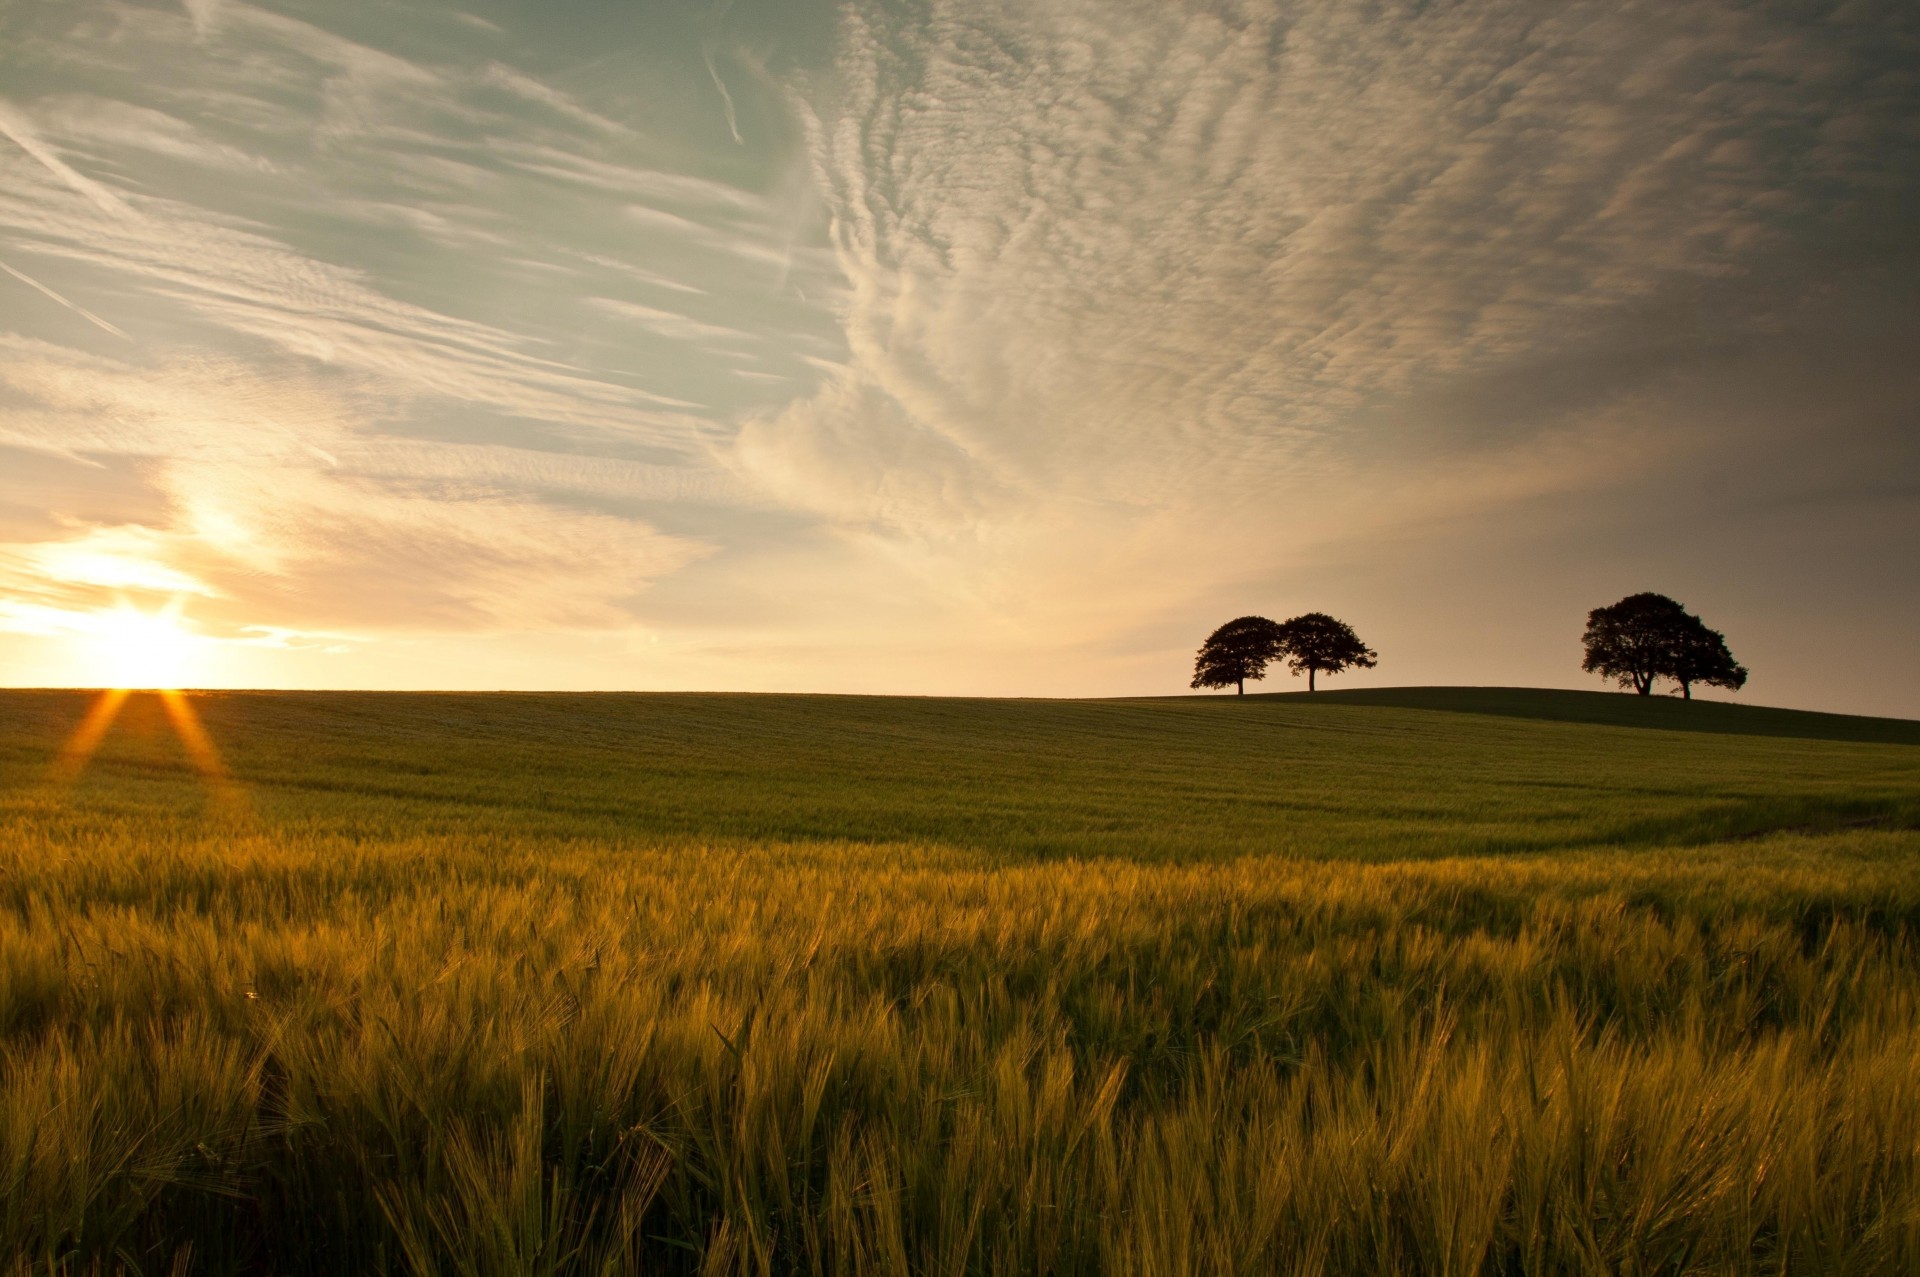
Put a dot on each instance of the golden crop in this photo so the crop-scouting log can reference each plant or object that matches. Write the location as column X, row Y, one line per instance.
column 514, row 985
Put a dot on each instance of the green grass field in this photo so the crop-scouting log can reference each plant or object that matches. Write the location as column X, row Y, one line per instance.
column 1430, row 981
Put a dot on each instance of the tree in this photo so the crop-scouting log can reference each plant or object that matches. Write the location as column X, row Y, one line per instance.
column 1236, row 652
column 1701, row 656
column 1318, row 643
column 1632, row 642
column 1646, row 637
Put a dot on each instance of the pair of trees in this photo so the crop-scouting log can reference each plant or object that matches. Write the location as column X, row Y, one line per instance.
column 1645, row 637
column 1243, row 648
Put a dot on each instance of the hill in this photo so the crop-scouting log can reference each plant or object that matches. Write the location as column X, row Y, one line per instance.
column 1369, row 774
column 1657, row 713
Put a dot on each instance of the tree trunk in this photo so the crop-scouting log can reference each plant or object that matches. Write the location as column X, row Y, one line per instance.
column 1243, row 688
column 1686, row 691
column 1643, row 684
column 1309, row 678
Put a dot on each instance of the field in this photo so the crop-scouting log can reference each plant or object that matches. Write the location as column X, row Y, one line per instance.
column 1437, row 981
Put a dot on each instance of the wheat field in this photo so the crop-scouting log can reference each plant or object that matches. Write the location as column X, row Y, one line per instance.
column 1449, row 981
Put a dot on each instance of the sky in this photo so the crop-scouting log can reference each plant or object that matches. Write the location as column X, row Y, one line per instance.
column 954, row 346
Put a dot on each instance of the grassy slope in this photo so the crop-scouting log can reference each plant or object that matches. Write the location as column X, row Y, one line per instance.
column 1372, row 774
column 1360, row 983
column 1660, row 712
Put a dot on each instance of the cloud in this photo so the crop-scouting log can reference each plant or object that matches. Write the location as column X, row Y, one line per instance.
column 667, row 323
column 375, row 554
column 430, row 227
column 285, row 510
column 528, row 89
column 398, row 360
column 623, row 179
column 105, row 128
column 103, row 558
column 250, row 283
column 1215, row 269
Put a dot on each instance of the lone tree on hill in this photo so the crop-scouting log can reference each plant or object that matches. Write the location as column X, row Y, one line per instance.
column 1317, row 643
column 1236, row 652
column 1631, row 641
column 1645, row 637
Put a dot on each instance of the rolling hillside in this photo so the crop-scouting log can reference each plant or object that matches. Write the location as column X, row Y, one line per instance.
column 1424, row 771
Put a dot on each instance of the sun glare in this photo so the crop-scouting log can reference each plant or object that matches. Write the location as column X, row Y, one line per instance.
column 125, row 651
column 141, row 651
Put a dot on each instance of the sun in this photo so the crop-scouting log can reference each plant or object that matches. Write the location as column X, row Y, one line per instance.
column 126, row 650
column 141, row 651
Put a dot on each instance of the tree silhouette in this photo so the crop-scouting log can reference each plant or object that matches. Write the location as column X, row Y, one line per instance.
column 1236, row 652
column 1632, row 641
column 1645, row 637
column 1701, row 656
column 1317, row 642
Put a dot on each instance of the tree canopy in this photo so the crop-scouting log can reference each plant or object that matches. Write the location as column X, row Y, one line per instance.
column 1319, row 644
column 1243, row 648
column 1701, row 656
column 1646, row 637
column 1237, row 651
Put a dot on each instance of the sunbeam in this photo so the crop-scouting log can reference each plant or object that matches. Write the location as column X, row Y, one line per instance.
column 200, row 748
column 79, row 748
column 181, row 716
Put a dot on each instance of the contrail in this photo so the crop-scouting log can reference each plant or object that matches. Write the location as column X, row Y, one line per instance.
column 84, row 313
column 13, row 127
column 718, row 14
column 726, row 98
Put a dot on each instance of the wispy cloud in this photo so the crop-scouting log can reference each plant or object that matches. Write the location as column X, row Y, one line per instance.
column 250, row 283
column 1202, row 269
column 528, row 89
column 360, row 395
column 437, row 154
column 282, row 509
column 667, row 323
